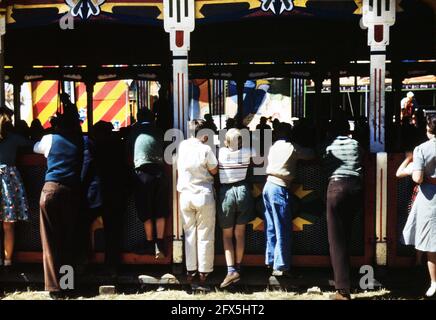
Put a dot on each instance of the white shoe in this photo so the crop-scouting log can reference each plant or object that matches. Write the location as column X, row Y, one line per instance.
column 431, row 291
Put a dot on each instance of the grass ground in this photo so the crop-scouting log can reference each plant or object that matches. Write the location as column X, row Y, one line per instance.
column 183, row 295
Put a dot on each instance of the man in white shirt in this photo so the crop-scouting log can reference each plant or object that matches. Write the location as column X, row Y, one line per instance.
column 196, row 165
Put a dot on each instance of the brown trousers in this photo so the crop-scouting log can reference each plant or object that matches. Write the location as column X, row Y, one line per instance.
column 58, row 206
column 344, row 200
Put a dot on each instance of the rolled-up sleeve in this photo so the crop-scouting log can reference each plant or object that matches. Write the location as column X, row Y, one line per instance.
column 43, row 146
column 418, row 160
column 211, row 160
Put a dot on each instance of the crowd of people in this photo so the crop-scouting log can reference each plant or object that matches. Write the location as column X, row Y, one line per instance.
column 90, row 176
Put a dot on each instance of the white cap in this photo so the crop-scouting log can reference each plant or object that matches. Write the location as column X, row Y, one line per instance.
column 410, row 94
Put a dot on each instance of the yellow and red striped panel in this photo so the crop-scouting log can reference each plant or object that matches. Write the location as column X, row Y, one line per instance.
column 111, row 102
column 45, row 100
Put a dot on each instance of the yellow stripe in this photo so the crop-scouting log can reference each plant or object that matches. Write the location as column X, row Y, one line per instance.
column 42, row 89
column 62, row 7
column 108, row 7
column 108, row 101
column 48, row 111
column 82, row 101
column 123, row 114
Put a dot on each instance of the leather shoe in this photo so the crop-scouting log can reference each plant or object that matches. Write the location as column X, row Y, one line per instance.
column 230, row 278
column 341, row 296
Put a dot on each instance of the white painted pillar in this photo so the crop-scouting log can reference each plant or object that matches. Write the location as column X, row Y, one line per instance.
column 179, row 22
column 378, row 16
column 381, row 208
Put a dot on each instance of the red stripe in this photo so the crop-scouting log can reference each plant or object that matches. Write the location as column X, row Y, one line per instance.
column 177, row 214
column 381, row 204
column 183, row 101
column 178, row 100
column 104, row 92
column 115, row 108
column 40, row 105
column 80, row 91
column 379, row 105
column 375, row 105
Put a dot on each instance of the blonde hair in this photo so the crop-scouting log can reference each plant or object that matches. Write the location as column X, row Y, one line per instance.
column 233, row 139
column 5, row 124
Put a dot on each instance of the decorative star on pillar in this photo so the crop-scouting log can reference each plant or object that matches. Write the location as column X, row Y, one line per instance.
column 277, row 6
column 84, row 8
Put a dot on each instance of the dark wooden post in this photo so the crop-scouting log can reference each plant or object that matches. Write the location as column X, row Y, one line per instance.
column 335, row 95
column 17, row 101
column 90, row 104
column 240, row 85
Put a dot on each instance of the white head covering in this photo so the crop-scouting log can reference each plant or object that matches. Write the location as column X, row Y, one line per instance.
column 410, row 94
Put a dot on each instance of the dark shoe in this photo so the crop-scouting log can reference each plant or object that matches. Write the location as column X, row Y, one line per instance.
column 190, row 275
column 202, row 286
column 57, row 295
column 230, row 278
column 340, row 296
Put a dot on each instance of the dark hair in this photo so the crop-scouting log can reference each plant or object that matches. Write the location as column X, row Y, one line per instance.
column 340, row 126
column 5, row 123
column 431, row 123
column 197, row 125
column 145, row 115
column 283, row 131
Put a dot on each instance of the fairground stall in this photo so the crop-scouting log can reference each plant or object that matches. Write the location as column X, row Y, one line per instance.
column 244, row 59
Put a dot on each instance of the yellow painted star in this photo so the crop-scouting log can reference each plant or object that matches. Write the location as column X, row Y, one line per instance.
column 299, row 223
column 299, row 191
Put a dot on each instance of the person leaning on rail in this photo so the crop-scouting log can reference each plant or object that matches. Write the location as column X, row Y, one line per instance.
column 281, row 170
column 196, row 165
column 235, row 207
column 147, row 146
column 60, row 196
column 342, row 163
column 13, row 200
column 420, row 229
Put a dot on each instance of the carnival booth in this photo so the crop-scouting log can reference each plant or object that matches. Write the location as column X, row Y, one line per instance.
column 108, row 54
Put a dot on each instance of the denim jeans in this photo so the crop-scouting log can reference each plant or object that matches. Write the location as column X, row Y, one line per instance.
column 278, row 220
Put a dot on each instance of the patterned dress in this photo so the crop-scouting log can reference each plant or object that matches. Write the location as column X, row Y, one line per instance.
column 13, row 201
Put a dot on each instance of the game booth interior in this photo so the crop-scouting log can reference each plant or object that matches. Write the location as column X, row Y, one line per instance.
column 96, row 42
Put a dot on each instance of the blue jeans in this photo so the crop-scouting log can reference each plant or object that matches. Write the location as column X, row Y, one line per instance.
column 278, row 220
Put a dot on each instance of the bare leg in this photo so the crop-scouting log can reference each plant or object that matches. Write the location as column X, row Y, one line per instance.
column 229, row 251
column 431, row 263
column 160, row 228
column 9, row 239
column 240, row 242
column 148, row 227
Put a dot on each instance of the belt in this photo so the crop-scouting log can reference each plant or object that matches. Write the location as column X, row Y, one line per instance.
column 344, row 178
column 430, row 180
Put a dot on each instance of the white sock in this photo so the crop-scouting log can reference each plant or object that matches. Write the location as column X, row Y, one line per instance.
column 432, row 290
column 7, row 263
